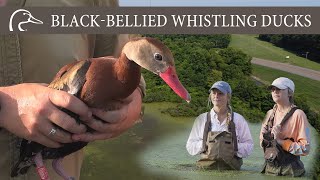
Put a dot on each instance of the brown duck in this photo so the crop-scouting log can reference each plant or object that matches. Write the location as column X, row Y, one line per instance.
column 102, row 83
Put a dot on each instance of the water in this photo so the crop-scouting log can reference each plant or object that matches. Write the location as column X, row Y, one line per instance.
column 155, row 149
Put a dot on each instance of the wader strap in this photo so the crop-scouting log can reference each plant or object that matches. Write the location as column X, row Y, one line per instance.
column 284, row 120
column 232, row 129
column 288, row 115
column 206, row 130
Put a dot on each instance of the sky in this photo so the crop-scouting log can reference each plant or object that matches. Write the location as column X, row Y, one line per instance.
column 215, row 3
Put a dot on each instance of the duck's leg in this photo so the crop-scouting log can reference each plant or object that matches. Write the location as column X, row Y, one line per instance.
column 57, row 166
column 41, row 169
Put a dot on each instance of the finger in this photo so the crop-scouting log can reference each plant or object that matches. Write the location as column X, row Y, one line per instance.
column 111, row 116
column 70, row 102
column 115, row 128
column 63, row 120
column 42, row 139
column 98, row 125
column 89, row 137
column 33, row 125
column 60, row 135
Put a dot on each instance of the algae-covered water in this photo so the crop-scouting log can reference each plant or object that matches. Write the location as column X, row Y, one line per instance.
column 155, row 149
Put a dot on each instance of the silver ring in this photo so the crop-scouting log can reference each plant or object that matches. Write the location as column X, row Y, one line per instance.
column 52, row 132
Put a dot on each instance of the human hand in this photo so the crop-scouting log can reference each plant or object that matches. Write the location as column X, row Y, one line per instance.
column 264, row 129
column 276, row 131
column 116, row 122
column 30, row 111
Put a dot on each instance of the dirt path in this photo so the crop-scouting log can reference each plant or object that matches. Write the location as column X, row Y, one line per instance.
column 312, row 74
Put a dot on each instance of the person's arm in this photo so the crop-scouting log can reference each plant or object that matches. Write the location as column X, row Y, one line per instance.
column 300, row 147
column 30, row 111
column 263, row 126
column 245, row 142
column 195, row 141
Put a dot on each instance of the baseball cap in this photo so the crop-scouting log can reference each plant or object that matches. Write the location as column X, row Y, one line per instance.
column 282, row 83
column 222, row 86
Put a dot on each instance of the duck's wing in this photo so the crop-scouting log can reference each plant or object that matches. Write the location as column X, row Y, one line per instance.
column 71, row 77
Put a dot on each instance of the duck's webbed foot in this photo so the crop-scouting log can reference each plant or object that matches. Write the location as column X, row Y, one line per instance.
column 57, row 166
column 41, row 169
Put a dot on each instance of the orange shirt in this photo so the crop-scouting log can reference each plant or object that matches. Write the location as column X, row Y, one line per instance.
column 296, row 128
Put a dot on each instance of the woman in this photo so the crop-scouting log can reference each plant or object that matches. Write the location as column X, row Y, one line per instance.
column 285, row 133
column 221, row 136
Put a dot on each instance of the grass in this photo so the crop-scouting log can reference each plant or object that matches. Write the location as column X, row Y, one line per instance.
column 254, row 47
column 304, row 86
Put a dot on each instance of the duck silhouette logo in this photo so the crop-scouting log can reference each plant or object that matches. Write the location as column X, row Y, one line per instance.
column 24, row 17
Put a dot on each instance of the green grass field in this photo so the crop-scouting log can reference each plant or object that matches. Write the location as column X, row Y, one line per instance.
column 254, row 47
column 304, row 86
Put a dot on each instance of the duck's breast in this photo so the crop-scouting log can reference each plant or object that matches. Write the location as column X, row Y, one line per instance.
column 104, row 87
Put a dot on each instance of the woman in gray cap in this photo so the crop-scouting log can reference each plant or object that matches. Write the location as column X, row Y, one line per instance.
column 285, row 132
column 221, row 136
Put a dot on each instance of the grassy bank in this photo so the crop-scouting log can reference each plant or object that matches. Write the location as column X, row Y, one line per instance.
column 304, row 86
column 254, row 47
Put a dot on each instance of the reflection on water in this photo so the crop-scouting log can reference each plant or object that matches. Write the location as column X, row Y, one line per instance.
column 155, row 149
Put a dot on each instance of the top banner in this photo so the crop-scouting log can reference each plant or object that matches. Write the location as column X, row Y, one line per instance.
column 161, row 20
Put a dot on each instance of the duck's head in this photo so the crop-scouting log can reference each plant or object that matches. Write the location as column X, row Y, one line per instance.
column 154, row 56
column 25, row 17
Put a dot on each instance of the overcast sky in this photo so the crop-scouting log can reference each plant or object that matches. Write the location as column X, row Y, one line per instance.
column 213, row 3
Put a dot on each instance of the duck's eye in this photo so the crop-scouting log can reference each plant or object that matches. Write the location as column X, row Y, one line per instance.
column 157, row 57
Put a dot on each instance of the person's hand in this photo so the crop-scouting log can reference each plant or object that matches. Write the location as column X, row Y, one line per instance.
column 264, row 129
column 30, row 111
column 116, row 122
column 276, row 131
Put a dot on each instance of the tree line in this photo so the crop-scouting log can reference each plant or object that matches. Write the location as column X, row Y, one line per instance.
column 304, row 45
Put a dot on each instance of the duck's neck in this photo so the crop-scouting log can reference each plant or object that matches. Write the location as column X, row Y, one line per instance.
column 127, row 70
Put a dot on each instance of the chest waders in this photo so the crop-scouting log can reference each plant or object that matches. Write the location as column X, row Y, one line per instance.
column 221, row 148
column 279, row 162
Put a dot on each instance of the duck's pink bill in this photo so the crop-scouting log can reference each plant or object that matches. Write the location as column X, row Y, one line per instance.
column 171, row 78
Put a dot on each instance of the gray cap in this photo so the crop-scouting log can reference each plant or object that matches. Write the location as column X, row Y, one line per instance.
column 222, row 86
column 282, row 83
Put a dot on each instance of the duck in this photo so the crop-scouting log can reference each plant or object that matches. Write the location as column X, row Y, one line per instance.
column 103, row 83
column 26, row 17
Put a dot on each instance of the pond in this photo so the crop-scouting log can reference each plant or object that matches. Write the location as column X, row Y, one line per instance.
column 155, row 149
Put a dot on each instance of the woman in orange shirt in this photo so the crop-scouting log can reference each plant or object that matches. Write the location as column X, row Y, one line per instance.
column 284, row 142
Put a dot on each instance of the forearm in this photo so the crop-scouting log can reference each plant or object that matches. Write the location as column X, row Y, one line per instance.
column 195, row 147
column 195, row 143
column 245, row 149
column 300, row 148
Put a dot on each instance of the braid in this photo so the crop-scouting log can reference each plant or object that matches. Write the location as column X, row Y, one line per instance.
column 209, row 101
column 230, row 111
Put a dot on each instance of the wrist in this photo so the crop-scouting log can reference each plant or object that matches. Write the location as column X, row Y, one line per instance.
column 280, row 142
column 6, row 102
